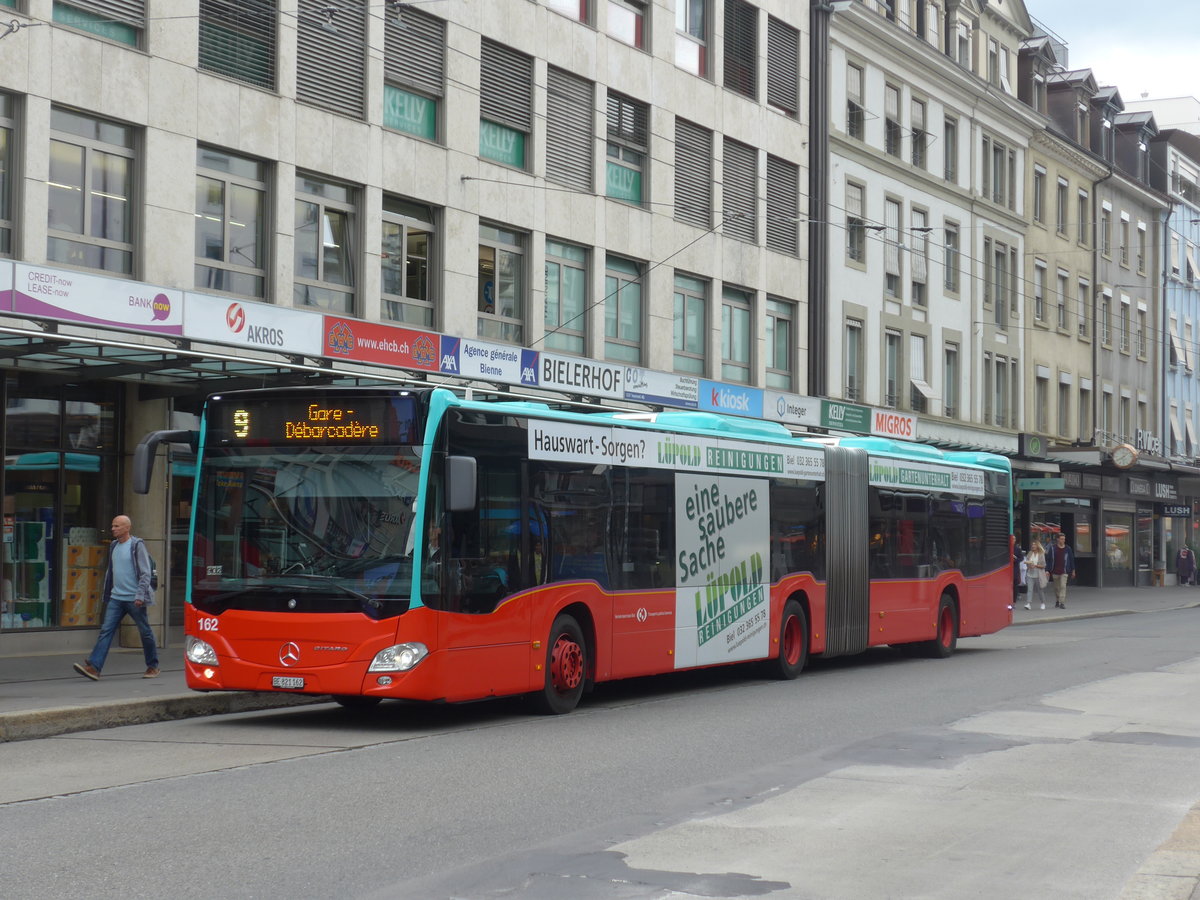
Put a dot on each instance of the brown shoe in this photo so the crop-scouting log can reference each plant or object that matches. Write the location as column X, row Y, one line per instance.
column 87, row 670
column 151, row 672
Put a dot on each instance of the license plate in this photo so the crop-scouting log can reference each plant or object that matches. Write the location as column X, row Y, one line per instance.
column 291, row 682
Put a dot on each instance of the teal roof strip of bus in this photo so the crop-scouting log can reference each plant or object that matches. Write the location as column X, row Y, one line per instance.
column 201, row 443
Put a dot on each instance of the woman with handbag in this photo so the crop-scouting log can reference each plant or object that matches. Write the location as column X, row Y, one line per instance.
column 1035, row 575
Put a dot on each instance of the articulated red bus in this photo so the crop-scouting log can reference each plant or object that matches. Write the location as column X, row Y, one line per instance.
column 373, row 543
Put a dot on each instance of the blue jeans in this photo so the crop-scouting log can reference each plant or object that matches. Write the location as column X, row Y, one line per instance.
column 114, row 612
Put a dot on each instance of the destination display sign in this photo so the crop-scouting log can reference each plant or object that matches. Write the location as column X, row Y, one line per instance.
column 324, row 420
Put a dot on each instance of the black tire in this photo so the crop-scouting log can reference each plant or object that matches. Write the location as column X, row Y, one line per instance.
column 566, row 667
column 793, row 643
column 946, row 638
column 354, row 701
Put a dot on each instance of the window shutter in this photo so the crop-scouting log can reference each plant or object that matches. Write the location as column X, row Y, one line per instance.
column 854, row 83
column 783, row 205
column 331, row 64
column 693, row 174
column 506, row 87
column 569, row 131
column 740, row 182
column 892, row 222
column 741, row 47
column 854, row 201
column 416, row 51
column 783, row 66
column 627, row 121
column 131, row 12
column 920, row 246
column 237, row 39
column 892, row 102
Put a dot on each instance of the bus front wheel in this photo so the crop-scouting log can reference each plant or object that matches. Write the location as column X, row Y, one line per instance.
column 946, row 639
column 566, row 667
column 793, row 642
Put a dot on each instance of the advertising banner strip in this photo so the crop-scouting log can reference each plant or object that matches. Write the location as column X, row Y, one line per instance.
column 731, row 398
column 903, row 473
column 260, row 326
column 666, row 389
column 94, row 300
column 567, row 442
column 576, row 375
column 372, row 342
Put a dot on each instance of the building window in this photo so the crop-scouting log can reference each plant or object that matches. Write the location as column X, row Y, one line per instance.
column 856, row 226
column 237, row 39
column 1039, row 195
column 891, row 369
column 331, row 56
column 626, row 149
column 627, row 22
column 854, row 360
column 736, row 334
column 566, row 297
column 1062, row 299
column 1085, row 415
column 573, row 9
column 1141, row 334
column 505, row 104
column 1106, row 231
column 918, row 254
column 783, row 67
column 950, row 150
column 950, row 380
column 1141, row 252
column 7, row 126
column 891, row 250
column 892, row 131
column 1064, row 407
column 1106, row 320
column 996, row 283
column 781, row 318
column 570, row 137
column 854, row 102
column 414, row 71
column 501, row 284
column 1041, row 403
column 741, row 48
column 999, row 167
column 1060, row 207
column 920, row 393
column 919, row 137
column 1039, row 291
column 405, row 253
column 693, row 174
column 1125, row 336
column 90, row 193
column 783, row 205
column 951, row 260
column 324, row 242
column 691, row 301
column 692, row 36
column 122, row 21
column 231, row 223
column 741, row 191
column 623, row 310
column 1083, row 294
column 1085, row 218
column 1124, row 241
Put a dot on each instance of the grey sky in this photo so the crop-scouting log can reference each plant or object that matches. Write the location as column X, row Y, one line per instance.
column 1148, row 46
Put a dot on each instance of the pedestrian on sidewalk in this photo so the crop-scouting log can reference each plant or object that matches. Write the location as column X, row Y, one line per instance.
column 1185, row 565
column 1035, row 575
column 1060, row 563
column 126, row 593
column 1018, row 564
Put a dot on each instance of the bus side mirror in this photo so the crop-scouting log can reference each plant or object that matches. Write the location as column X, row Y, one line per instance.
column 143, row 454
column 460, row 483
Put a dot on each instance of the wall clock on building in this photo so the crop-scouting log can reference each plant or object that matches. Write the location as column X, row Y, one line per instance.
column 1123, row 456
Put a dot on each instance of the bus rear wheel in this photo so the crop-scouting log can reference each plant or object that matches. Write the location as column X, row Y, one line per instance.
column 793, row 642
column 946, row 640
column 566, row 667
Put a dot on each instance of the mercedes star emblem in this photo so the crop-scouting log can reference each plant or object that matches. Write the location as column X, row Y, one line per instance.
column 289, row 654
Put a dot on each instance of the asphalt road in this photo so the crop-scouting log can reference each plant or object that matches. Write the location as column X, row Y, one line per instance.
column 1048, row 761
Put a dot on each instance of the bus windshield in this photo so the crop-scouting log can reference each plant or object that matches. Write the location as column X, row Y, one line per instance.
column 317, row 529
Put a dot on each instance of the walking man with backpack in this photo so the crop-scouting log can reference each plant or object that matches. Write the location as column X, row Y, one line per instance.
column 127, row 592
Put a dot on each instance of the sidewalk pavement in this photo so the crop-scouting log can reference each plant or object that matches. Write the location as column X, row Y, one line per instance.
column 42, row 696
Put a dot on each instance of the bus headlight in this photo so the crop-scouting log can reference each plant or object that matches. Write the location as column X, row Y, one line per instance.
column 200, row 652
column 398, row 658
